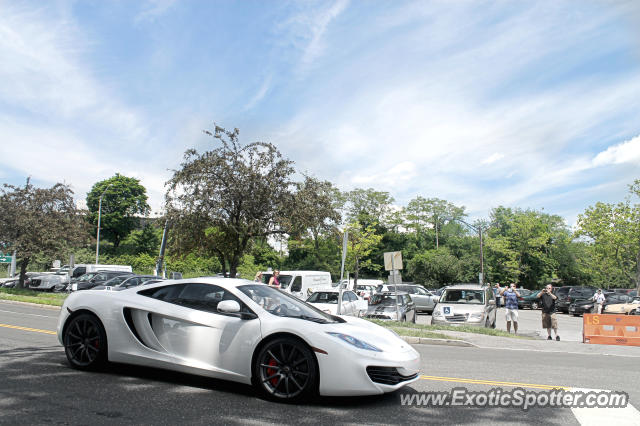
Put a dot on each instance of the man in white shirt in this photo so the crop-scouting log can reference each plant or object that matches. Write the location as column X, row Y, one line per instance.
column 599, row 299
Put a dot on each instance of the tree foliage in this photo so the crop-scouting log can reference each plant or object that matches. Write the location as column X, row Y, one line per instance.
column 124, row 200
column 39, row 221
column 230, row 195
column 435, row 268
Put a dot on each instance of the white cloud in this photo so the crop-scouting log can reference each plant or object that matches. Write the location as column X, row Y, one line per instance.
column 153, row 9
column 496, row 156
column 260, row 94
column 625, row 152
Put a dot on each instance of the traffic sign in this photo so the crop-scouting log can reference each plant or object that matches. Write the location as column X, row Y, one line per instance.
column 5, row 259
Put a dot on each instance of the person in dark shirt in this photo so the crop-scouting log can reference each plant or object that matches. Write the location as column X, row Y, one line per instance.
column 548, row 302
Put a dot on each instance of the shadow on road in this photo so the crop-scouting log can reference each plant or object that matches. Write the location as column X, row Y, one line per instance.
column 38, row 386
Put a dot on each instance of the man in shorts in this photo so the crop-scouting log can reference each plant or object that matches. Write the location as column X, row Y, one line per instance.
column 511, row 295
column 548, row 303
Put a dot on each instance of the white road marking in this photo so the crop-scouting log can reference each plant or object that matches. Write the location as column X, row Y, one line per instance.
column 558, row 352
column 624, row 416
column 33, row 315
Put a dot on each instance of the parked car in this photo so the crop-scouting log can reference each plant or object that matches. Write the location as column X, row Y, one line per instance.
column 425, row 300
column 581, row 307
column 327, row 301
column 466, row 304
column 383, row 306
column 122, row 282
column 365, row 291
column 93, row 279
column 530, row 301
column 622, row 308
column 574, row 294
column 46, row 282
column 523, row 293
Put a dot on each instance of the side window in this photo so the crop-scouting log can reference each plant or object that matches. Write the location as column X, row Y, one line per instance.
column 167, row 293
column 421, row 291
column 352, row 296
column 297, row 284
column 133, row 282
column 345, row 297
column 203, row 297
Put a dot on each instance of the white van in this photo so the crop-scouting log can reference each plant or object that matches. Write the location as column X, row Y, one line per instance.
column 83, row 268
column 300, row 283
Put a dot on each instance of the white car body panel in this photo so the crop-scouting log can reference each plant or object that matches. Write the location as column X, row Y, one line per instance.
column 221, row 346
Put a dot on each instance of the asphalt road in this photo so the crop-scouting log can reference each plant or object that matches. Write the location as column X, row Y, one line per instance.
column 38, row 387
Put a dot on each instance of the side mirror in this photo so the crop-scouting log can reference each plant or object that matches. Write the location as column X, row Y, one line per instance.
column 228, row 307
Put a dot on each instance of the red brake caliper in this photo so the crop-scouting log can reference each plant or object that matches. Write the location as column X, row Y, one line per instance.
column 271, row 372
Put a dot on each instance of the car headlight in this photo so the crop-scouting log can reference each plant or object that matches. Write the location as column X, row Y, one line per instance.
column 355, row 342
column 437, row 313
column 477, row 315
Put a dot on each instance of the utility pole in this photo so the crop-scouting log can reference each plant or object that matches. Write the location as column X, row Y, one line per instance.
column 99, row 217
column 163, row 245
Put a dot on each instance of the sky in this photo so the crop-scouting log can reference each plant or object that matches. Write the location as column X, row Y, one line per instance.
column 529, row 104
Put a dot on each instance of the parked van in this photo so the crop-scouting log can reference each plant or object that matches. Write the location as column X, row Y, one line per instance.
column 82, row 268
column 300, row 283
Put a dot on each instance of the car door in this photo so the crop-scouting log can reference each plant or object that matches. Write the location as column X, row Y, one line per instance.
column 296, row 288
column 421, row 299
column 186, row 325
column 347, row 304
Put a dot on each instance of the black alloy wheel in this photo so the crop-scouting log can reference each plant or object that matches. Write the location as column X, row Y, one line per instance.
column 85, row 342
column 285, row 370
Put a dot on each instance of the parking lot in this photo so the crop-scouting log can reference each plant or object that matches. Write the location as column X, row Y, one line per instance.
column 529, row 324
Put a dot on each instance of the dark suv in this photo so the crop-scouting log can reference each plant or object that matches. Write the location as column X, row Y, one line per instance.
column 574, row 294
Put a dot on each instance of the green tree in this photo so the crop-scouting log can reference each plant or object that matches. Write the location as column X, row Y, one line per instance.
column 435, row 268
column 613, row 230
column 39, row 221
column 124, row 200
column 235, row 193
column 431, row 213
column 369, row 207
column 360, row 243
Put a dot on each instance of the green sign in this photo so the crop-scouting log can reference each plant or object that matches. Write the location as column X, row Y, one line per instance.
column 5, row 259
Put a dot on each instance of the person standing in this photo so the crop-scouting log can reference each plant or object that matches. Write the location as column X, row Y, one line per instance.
column 274, row 281
column 599, row 299
column 511, row 295
column 258, row 277
column 548, row 302
column 497, row 291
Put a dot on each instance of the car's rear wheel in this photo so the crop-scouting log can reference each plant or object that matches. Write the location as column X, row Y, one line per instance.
column 285, row 370
column 85, row 342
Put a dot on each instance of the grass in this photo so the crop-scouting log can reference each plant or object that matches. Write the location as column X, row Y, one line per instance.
column 25, row 295
column 407, row 326
column 403, row 331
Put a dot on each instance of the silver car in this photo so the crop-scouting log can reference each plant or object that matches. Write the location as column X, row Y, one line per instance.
column 424, row 299
column 466, row 304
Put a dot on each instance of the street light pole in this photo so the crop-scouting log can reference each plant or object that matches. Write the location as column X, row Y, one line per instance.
column 99, row 217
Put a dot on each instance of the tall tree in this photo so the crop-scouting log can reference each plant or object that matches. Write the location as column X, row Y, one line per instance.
column 41, row 221
column 234, row 192
column 361, row 242
column 431, row 213
column 369, row 206
column 614, row 232
column 124, row 200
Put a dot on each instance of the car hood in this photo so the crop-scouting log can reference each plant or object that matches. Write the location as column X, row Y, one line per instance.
column 382, row 308
column 331, row 307
column 369, row 332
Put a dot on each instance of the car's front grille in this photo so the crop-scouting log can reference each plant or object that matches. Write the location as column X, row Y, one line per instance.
column 387, row 375
column 457, row 317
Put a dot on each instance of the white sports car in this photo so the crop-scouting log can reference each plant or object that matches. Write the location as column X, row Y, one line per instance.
column 237, row 330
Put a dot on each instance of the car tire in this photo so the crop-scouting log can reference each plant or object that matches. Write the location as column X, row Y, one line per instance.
column 285, row 370
column 85, row 342
column 415, row 318
column 534, row 305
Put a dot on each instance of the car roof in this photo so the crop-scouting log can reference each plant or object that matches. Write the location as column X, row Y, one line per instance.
column 392, row 293
column 466, row 286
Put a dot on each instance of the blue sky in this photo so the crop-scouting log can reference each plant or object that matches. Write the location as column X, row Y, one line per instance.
column 523, row 104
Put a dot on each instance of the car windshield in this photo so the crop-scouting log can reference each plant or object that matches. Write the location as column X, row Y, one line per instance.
column 384, row 300
column 473, row 297
column 282, row 304
column 116, row 280
column 88, row 276
column 323, row 297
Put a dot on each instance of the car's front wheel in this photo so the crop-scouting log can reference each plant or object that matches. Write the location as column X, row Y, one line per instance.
column 85, row 342
column 285, row 370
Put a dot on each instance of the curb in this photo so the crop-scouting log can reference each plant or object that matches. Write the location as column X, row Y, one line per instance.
column 432, row 341
column 35, row 305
